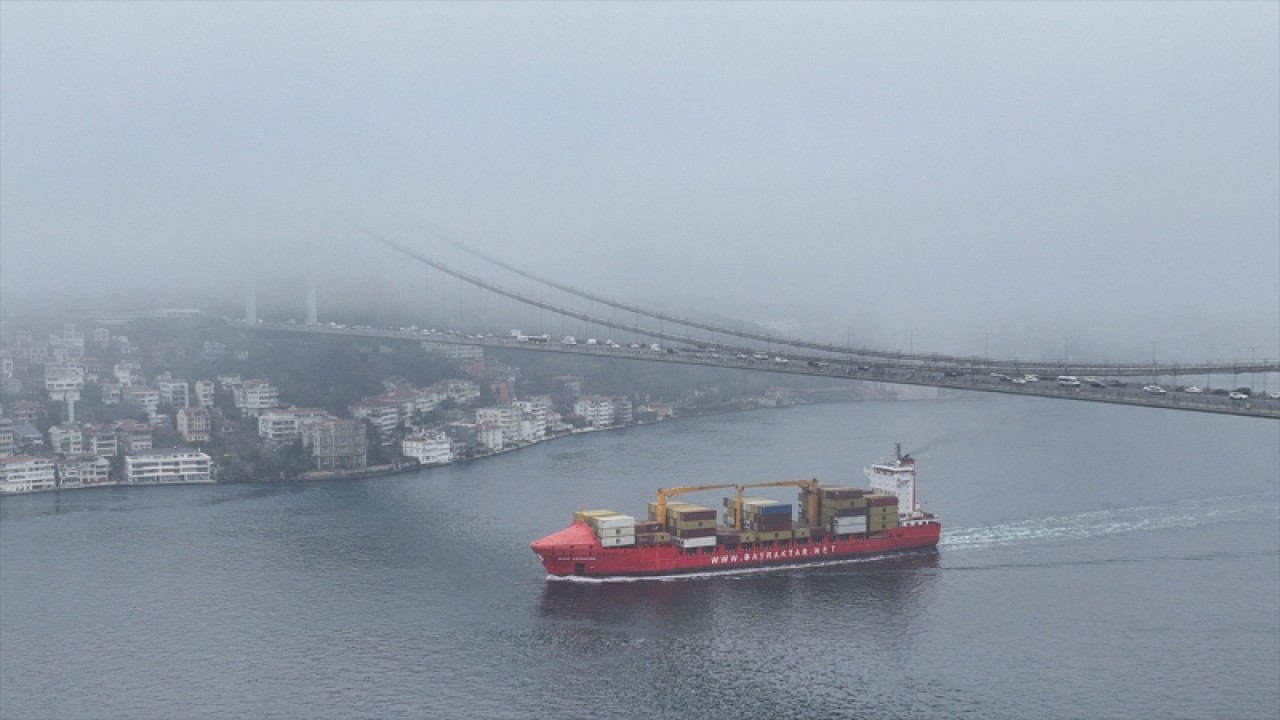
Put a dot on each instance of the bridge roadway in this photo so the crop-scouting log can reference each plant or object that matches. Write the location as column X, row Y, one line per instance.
column 973, row 376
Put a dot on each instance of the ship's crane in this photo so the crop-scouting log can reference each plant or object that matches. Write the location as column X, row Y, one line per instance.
column 811, row 508
column 664, row 494
column 811, row 505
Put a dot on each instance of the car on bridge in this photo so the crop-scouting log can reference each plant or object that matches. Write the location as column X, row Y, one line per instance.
column 1153, row 389
column 1195, row 389
column 1237, row 395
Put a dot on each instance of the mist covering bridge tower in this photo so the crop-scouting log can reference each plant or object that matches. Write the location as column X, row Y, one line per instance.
column 311, row 299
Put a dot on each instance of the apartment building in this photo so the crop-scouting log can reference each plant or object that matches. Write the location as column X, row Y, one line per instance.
column 168, row 466
column 27, row 473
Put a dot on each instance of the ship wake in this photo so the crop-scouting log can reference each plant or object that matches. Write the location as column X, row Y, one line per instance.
column 1116, row 521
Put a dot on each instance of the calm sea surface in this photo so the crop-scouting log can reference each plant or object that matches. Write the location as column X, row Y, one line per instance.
column 1096, row 562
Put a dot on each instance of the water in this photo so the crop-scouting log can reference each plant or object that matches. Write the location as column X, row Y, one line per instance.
column 1096, row 562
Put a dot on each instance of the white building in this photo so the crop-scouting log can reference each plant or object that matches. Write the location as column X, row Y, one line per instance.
column 204, row 392
column 255, row 396
column 128, row 372
column 99, row 440
column 283, row 425
column 384, row 414
column 533, row 420
column 430, row 448
column 463, row 392
column 506, row 417
column 142, row 397
column 489, row 435
column 66, row 439
column 63, row 383
column 25, row 473
column 175, row 393
column 194, row 424
column 168, row 466
column 112, row 393
column 84, row 471
column 597, row 410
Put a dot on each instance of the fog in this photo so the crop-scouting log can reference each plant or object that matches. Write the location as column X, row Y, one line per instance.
column 1095, row 179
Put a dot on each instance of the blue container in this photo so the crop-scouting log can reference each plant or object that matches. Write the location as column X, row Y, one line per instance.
column 775, row 510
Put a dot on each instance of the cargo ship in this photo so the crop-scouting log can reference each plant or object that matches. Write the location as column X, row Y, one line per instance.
column 828, row 523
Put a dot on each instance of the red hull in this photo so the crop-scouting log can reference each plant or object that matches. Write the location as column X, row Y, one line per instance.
column 576, row 551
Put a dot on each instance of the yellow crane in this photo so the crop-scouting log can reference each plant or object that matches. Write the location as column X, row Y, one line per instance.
column 664, row 494
column 811, row 507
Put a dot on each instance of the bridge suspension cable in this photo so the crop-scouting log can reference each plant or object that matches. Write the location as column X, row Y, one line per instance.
column 838, row 350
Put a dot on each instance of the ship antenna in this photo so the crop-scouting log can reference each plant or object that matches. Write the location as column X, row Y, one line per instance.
column 897, row 450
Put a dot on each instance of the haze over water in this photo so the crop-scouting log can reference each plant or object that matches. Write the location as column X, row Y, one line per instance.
column 1096, row 562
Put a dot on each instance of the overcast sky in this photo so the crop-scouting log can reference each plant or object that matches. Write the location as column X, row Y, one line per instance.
column 1097, row 176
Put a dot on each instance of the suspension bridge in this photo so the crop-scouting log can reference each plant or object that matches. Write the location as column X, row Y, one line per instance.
column 662, row 337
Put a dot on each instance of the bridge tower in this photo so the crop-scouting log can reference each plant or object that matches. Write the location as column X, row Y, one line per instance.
column 311, row 299
column 250, row 303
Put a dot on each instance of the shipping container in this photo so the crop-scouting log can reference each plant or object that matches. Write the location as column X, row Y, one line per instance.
column 612, row 521
column 616, row 532
column 618, row 541
column 839, row 493
column 697, row 513
column 765, row 522
column 692, row 524
column 692, row 533
column 778, row 509
column 848, row 504
column 695, row 542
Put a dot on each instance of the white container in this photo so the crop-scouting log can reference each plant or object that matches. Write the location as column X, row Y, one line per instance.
column 616, row 532
column 613, row 521
column 618, row 541
column 695, row 542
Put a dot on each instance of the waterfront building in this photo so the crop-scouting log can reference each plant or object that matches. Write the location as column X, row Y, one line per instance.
column 506, row 418
column 490, row 436
column 83, row 471
column 168, row 466
column 428, row 448
column 279, row 426
column 597, row 410
column 338, row 444
column 27, row 473
column 194, row 424
column 533, row 419
column 101, row 336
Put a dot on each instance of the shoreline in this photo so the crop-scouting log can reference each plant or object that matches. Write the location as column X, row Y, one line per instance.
column 390, row 470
